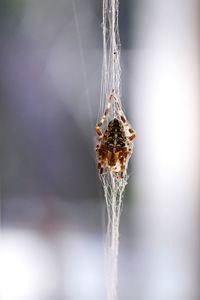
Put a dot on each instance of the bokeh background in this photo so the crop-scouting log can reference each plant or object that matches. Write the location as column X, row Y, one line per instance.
column 53, row 215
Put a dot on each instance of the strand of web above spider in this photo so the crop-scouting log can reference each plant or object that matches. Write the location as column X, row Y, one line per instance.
column 114, row 146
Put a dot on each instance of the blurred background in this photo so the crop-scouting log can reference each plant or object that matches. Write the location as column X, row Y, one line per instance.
column 53, row 215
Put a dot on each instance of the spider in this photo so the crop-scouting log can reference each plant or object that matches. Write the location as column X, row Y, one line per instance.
column 114, row 146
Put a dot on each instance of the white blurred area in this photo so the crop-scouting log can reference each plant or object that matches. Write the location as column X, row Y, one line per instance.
column 166, row 166
column 35, row 267
column 28, row 269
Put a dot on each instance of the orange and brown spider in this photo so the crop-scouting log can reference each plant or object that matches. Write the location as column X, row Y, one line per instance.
column 114, row 146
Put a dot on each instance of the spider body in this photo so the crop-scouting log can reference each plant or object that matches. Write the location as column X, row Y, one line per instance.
column 114, row 146
column 113, row 142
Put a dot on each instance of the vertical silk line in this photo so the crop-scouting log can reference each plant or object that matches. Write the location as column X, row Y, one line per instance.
column 113, row 43
column 110, row 108
column 113, row 188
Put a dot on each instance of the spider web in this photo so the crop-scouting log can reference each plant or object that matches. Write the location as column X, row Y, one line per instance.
column 113, row 184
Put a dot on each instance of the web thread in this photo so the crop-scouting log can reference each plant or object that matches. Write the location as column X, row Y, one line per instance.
column 113, row 184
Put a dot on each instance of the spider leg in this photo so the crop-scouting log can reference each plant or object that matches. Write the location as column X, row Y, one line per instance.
column 102, row 120
column 100, row 166
column 133, row 134
column 130, row 151
column 122, row 167
column 98, row 145
column 101, row 157
column 130, row 129
column 122, row 158
column 101, row 171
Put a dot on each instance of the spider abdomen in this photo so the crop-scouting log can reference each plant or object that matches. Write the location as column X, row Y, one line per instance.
column 115, row 136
